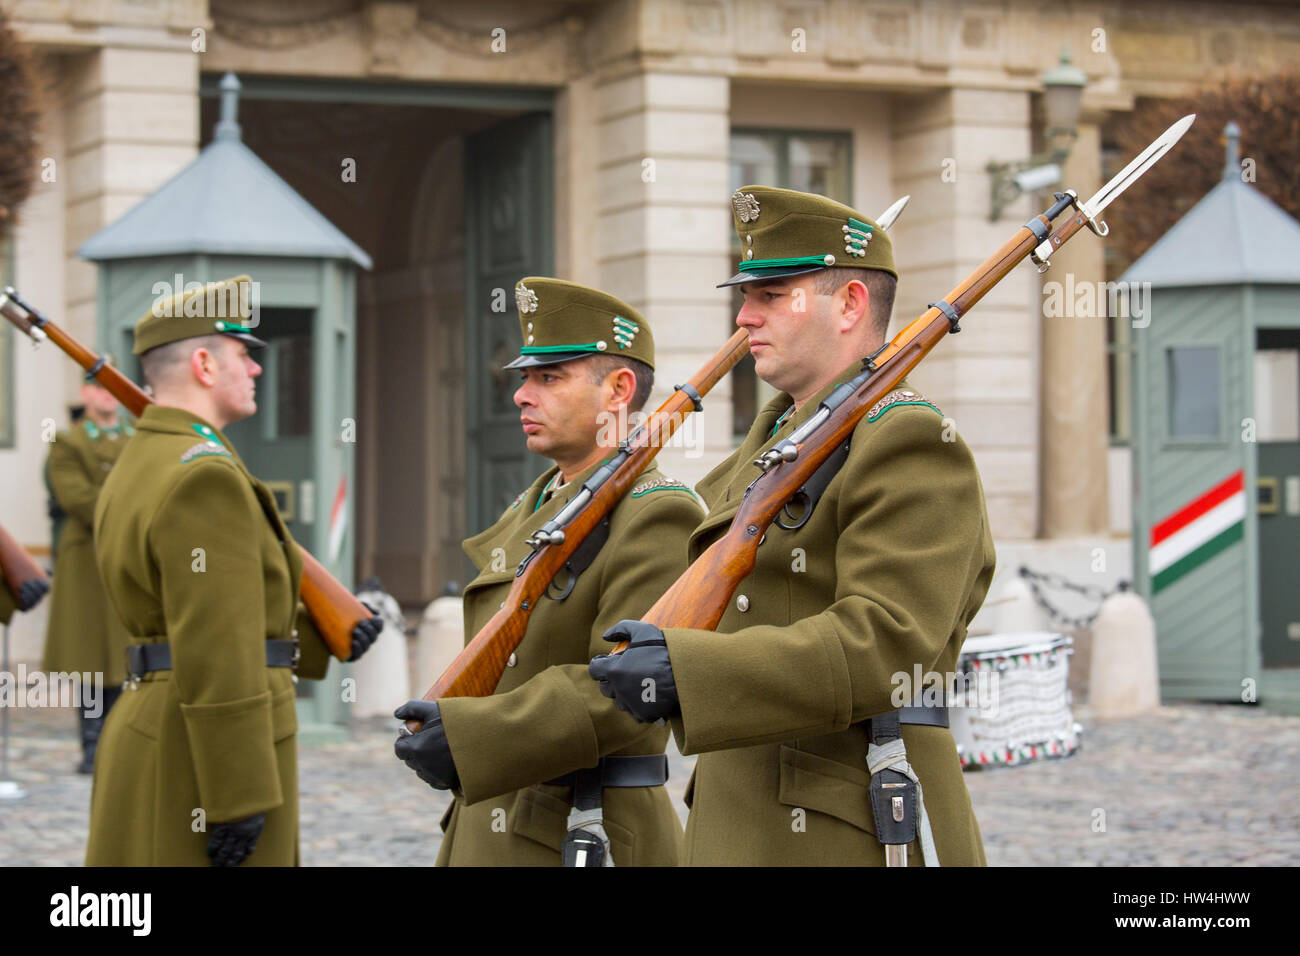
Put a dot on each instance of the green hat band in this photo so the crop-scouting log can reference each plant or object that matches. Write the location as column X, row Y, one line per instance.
column 782, row 263
column 550, row 349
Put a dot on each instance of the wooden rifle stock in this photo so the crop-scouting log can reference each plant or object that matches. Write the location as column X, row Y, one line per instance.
column 477, row 669
column 700, row 597
column 17, row 566
column 333, row 608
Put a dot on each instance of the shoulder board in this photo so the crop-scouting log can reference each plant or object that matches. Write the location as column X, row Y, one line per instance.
column 659, row 484
column 518, row 501
column 898, row 397
column 201, row 449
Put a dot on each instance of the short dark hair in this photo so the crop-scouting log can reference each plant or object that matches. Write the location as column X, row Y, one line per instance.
column 601, row 366
column 160, row 363
column 880, row 287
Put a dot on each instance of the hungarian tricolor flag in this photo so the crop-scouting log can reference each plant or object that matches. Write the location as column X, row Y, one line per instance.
column 1197, row 532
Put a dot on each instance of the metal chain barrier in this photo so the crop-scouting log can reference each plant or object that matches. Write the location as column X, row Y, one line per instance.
column 1039, row 581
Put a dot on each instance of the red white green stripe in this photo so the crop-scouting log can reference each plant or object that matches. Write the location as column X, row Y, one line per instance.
column 1197, row 532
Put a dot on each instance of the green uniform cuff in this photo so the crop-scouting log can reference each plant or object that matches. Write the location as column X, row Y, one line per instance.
column 314, row 655
column 532, row 734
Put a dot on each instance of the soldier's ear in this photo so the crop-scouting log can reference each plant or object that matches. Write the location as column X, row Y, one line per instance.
column 854, row 301
column 204, row 366
column 622, row 382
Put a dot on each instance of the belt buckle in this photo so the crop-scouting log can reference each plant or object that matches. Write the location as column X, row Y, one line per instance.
column 293, row 664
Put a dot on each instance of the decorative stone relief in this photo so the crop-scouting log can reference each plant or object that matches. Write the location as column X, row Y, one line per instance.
column 284, row 25
column 389, row 29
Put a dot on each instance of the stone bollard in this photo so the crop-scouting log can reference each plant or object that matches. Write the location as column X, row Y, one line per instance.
column 382, row 673
column 441, row 638
column 1124, row 679
column 1016, row 610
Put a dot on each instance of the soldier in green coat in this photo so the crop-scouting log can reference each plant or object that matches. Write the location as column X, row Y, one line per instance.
column 198, row 761
column 84, row 635
column 546, row 771
column 800, row 695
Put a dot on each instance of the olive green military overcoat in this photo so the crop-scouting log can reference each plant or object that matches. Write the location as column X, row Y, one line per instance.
column 193, row 552
column 886, row 574
column 547, row 716
column 83, row 632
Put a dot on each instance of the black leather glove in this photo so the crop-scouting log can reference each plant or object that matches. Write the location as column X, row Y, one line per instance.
column 640, row 680
column 31, row 592
column 427, row 752
column 366, row 632
column 231, row 843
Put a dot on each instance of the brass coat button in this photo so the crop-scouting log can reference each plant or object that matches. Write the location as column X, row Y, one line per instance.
column 742, row 603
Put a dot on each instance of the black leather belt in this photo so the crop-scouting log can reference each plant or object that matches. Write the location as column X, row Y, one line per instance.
column 926, row 716
column 646, row 770
column 143, row 659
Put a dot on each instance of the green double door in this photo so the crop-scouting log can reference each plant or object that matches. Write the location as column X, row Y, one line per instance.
column 1279, row 508
column 508, row 228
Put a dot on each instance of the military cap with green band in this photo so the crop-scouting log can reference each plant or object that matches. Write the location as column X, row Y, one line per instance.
column 784, row 232
column 217, row 308
column 562, row 321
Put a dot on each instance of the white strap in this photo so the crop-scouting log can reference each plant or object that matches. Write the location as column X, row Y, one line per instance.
column 893, row 756
column 593, row 821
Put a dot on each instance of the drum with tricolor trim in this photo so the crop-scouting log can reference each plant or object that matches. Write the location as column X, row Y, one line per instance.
column 1011, row 702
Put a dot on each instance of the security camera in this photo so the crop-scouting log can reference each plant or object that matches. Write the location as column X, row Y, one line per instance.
column 1039, row 177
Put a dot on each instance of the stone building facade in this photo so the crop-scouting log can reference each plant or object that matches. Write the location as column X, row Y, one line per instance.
column 646, row 100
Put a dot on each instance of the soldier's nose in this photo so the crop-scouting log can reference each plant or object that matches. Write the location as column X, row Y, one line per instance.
column 748, row 316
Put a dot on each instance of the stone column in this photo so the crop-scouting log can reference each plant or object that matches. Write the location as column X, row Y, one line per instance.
column 984, row 378
column 662, row 234
column 132, row 122
column 1075, row 402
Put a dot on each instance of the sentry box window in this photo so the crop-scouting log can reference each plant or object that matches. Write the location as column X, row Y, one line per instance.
column 1195, row 392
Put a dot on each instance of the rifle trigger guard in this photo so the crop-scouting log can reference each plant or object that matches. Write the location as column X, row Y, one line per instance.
column 580, row 560
column 800, row 497
column 813, row 489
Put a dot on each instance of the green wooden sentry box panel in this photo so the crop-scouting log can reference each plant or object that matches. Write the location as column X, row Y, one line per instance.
column 1206, row 614
column 228, row 214
column 1227, row 269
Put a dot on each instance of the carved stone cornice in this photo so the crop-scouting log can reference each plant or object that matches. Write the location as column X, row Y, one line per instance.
column 479, row 42
column 282, row 26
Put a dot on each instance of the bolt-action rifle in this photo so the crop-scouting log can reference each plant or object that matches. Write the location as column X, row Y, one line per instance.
column 701, row 595
column 333, row 608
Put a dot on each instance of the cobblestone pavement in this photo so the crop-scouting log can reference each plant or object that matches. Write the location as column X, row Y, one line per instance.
column 1186, row 786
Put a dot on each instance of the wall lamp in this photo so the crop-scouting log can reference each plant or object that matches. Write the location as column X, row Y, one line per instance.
column 1062, row 100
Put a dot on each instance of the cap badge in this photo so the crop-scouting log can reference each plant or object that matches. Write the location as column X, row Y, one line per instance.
column 625, row 331
column 746, row 206
column 856, row 236
column 525, row 298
